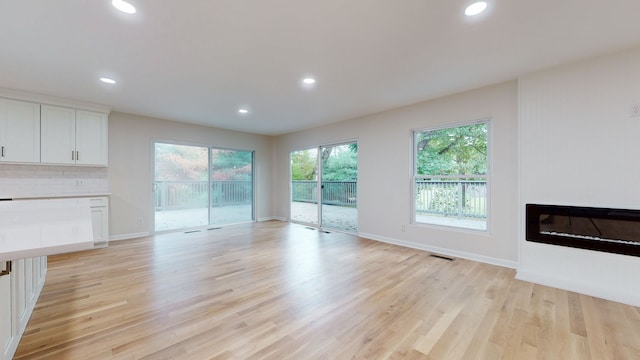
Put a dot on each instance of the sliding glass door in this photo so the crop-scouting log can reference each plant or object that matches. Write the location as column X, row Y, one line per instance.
column 304, row 186
column 324, row 187
column 339, row 187
column 231, row 186
column 180, row 186
column 196, row 186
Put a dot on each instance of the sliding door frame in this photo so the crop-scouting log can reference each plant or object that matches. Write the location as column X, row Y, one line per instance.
column 152, row 168
column 320, row 169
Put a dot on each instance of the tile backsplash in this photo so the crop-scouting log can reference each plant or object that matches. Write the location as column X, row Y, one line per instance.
column 18, row 181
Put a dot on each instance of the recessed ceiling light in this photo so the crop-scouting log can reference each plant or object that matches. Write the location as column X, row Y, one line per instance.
column 309, row 81
column 475, row 8
column 123, row 6
column 243, row 111
column 107, row 80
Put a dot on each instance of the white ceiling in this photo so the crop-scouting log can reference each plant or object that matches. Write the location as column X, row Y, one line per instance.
column 198, row 61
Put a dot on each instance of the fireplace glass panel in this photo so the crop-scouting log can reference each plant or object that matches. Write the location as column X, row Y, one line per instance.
column 590, row 228
column 599, row 229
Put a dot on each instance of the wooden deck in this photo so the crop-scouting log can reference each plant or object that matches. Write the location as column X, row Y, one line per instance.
column 281, row 291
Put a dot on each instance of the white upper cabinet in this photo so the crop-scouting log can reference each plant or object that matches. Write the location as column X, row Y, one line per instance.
column 91, row 138
column 58, row 135
column 70, row 136
column 19, row 131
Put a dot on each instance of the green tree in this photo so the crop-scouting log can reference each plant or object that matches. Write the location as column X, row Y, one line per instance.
column 303, row 165
column 339, row 163
column 342, row 165
column 231, row 164
column 453, row 151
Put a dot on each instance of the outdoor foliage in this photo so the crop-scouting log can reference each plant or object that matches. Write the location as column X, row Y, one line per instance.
column 181, row 173
column 340, row 163
column 303, row 164
column 231, row 165
column 180, row 162
column 444, row 200
column 453, row 151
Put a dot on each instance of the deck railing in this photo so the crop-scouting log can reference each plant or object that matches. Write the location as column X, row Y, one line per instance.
column 175, row 195
column 460, row 198
column 340, row 193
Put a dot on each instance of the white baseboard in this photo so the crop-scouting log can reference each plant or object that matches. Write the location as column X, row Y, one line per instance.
column 128, row 236
column 443, row 251
column 580, row 287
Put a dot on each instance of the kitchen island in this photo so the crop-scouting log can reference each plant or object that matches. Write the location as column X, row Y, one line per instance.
column 29, row 231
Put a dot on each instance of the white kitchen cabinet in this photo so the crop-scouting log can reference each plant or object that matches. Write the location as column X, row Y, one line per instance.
column 91, row 138
column 100, row 220
column 19, row 291
column 58, row 135
column 5, row 310
column 19, row 131
column 74, row 137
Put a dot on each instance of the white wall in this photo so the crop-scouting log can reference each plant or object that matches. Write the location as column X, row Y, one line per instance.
column 384, row 154
column 578, row 146
column 130, row 166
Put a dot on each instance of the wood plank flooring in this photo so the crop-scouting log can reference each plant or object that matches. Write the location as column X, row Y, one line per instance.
column 281, row 291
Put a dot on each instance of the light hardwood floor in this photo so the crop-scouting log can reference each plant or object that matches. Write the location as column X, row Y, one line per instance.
column 281, row 291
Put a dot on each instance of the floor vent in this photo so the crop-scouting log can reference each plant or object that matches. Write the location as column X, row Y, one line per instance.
column 214, row 228
column 192, row 231
column 310, row 228
column 326, row 232
column 442, row 257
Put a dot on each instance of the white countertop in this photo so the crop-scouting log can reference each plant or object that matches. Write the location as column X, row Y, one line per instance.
column 31, row 228
column 56, row 196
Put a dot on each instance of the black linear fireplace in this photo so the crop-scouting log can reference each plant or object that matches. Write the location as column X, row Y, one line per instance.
column 600, row 229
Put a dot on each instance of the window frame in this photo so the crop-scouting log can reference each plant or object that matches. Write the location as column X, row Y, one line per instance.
column 414, row 175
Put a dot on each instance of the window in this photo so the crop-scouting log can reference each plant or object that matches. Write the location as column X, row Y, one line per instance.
column 450, row 176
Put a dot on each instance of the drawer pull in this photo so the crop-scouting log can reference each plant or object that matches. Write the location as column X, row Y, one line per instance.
column 7, row 269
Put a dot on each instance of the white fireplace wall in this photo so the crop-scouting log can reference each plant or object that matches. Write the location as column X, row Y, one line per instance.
column 578, row 145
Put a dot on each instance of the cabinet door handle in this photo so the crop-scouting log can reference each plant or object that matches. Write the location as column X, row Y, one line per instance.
column 7, row 269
